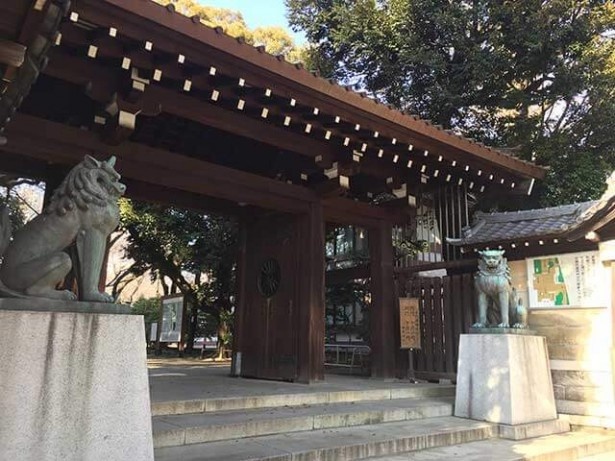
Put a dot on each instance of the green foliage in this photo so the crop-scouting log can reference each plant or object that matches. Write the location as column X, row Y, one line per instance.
column 16, row 212
column 275, row 39
column 194, row 251
column 149, row 308
column 535, row 75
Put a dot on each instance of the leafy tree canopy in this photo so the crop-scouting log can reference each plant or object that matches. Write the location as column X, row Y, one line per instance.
column 535, row 75
column 195, row 252
column 275, row 39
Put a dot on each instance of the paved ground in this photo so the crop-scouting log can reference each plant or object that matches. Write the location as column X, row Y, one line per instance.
column 192, row 379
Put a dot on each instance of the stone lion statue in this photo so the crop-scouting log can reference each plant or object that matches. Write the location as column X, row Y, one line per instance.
column 83, row 211
column 494, row 288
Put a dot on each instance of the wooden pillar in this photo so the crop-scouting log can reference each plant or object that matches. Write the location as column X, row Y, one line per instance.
column 311, row 295
column 383, row 308
column 240, row 302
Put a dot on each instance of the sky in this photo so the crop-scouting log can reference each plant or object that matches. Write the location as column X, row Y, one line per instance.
column 259, row 13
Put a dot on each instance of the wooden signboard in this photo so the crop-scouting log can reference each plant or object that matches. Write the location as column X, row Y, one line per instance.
column 409, row 323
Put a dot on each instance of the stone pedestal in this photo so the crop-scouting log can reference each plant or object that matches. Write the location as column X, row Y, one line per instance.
column 504, row 378
column 73, row 385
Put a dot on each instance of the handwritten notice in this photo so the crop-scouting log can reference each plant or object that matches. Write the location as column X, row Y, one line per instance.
column 409, row 323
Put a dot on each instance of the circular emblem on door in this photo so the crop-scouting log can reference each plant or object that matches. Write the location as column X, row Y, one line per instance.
column 269, row 278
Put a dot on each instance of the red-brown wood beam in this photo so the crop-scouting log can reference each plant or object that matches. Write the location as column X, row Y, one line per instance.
column 384, row 334
column 341, row 276
column 104, row 83
column 171, row 33
column 11, row 53
column 59, row 143
column 311, row 282
column 36, row 138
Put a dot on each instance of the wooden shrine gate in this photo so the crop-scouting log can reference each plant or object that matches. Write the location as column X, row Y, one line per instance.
column 446, row 310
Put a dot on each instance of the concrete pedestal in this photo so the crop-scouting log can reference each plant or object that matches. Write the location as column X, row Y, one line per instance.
column 73, row 386
column 504, row 379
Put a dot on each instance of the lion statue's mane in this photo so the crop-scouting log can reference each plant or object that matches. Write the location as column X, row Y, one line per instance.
column 83, row 211
column 496, row 297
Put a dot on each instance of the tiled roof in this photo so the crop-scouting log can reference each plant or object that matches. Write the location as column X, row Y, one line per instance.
column 518, row 225
column 567, row 221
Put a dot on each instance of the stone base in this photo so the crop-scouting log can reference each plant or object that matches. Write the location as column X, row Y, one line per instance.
column 531, row 430
column 504, row 379
column 502, row 331
column 73, row 386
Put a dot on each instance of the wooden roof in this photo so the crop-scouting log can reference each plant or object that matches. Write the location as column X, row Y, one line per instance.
column 132, row 71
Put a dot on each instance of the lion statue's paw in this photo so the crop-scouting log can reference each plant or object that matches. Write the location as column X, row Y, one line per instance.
column 503, row 325
column 67, row 295
column 98, row 297
column 478, row 325
column 519, row 325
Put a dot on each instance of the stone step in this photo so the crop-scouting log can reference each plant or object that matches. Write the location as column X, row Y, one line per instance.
column 586, row 446
column 179, row 407
column 175, row 430
column 348, row 443
column 608, row 456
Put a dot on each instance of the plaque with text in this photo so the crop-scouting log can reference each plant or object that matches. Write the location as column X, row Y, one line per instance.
column 172, row 319
column 409, row 323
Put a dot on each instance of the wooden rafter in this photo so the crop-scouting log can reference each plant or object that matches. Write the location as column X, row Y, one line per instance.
column 57, row 143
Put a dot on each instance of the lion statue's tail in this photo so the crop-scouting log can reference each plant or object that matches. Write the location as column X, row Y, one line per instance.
column 5, row 239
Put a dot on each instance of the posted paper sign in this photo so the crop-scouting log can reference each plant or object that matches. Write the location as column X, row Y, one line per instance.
column 409, row 323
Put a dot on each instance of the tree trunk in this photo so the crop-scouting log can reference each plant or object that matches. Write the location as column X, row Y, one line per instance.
column 223, row 330
column 192, row 329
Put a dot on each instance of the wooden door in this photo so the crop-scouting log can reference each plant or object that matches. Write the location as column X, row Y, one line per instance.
column 270, row 347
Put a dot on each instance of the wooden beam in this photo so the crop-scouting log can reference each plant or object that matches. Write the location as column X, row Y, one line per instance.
column 11, row 53
column 341, row 276
column 32, row 137
column 172, row 32
column 462, row 264
column 104, row 83
column 147, row 192
column 345, row 211
column 52, row 141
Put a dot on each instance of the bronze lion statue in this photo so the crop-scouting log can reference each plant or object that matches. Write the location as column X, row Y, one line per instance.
column 83, row 211
column 494, row 289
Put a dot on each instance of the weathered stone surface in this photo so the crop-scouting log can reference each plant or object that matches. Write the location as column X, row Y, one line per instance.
column 532, row 430
column 581, row 378
column 578, row 335
column 73, row 387
column 589, row 394
column 504, row 379
column 567, row 351
column 50, row 305
column 83, row 211
column 502, row 331
column 559, row 392
column 564, row 318
column 597, row 409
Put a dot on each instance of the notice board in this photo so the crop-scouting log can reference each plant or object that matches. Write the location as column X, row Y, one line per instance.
column 409, row 323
